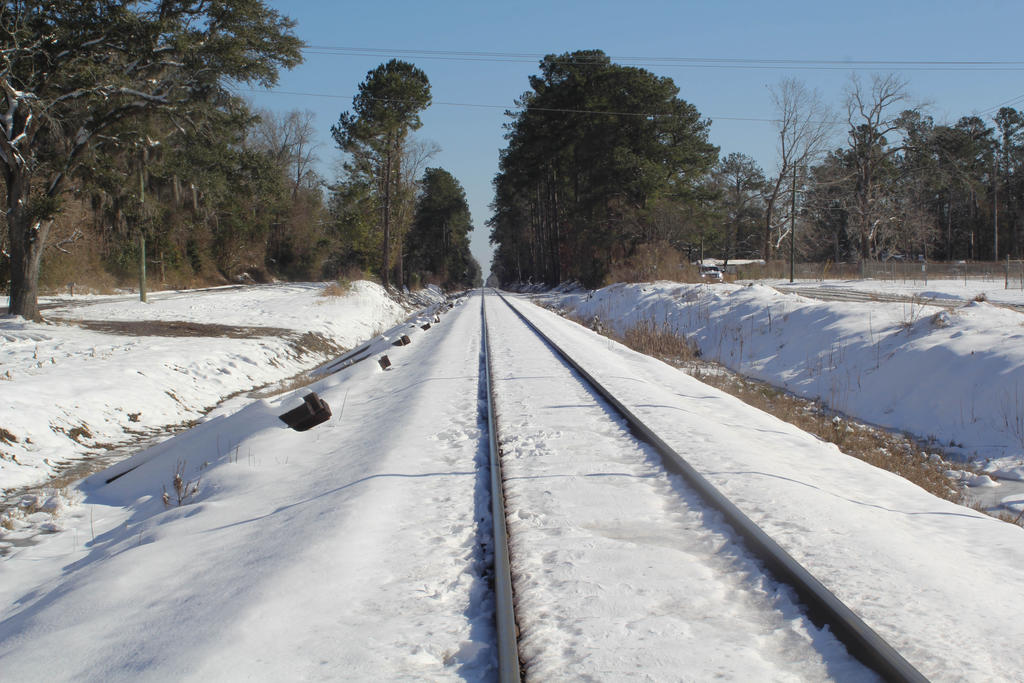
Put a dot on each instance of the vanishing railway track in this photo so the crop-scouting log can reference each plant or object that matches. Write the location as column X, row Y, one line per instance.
column 819, row 605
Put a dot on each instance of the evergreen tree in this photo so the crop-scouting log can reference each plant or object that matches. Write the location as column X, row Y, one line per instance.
column 375, row 135
column 75, row 73
column 592, row 146
column 1010, row 179
column 740, row 183
column 439, row 240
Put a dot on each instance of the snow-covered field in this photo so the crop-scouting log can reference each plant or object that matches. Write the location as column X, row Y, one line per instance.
column 996, row 290
column 71, row 391
column 349, row 551
column 953, row 374
column 933, row 578
column 355, row 551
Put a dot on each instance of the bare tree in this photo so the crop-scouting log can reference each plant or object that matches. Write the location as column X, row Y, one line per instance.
column 805, row 128
column 873, row 115
column 415, row 155
column 291, row 140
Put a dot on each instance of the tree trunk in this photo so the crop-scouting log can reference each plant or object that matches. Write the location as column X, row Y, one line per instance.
column 385, row 269
column 27, row 242
column 27, row 236
column 400, row 280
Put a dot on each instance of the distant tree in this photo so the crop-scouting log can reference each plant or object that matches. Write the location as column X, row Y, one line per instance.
column 75, row 74
column 873, row 120
column 805, row 128
column 295, row 238
column 375, row 135
column 354, row 229
column 475, row 275
column 439, row 239
column 414, row 160
column 290, row 140
column 740, row 184
column 1010, row 178
column 593, row 148
column 826, row 209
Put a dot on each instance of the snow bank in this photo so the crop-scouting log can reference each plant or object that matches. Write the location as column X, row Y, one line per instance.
column 954, row 375
column 940, row 582
column 349, row 551
column 71, row 391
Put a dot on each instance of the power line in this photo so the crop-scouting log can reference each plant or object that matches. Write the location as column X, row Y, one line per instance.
column 687, row 62
column 519, row 107
column 1010, row 102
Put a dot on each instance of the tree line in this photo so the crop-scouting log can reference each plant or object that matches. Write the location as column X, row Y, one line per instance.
column 407, row 228
column 607, row 173
column 122, row 146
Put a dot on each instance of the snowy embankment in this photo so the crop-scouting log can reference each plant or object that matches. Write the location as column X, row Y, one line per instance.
column 619, row 568
column 106, row 370
column 940, row 582
column 358, row 550
column 954, row 375
column 349, row 551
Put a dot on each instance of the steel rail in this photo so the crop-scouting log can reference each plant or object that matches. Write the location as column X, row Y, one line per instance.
column 509, row 669
column 822, row 606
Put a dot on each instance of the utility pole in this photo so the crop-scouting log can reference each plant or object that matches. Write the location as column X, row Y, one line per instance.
column 995, row 210
column 792, row 229
column 142, row 224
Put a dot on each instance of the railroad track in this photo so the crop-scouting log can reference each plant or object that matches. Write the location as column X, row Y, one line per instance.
column 625, row 465
column 832, row 294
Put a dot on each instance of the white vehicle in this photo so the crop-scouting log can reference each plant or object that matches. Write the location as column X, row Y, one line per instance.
column 712, row 273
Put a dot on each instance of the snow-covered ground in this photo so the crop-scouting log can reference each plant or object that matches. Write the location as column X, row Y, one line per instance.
column 952, row 374
column 348, row 551
column 70, row 391
column 646, row 580
column 996, row 290
column 355, row 550
column 931, row 577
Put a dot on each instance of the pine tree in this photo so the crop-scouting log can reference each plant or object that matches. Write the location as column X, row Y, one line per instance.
column 439, row 239
column 384, row 112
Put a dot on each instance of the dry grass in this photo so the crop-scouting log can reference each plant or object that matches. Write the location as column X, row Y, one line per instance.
column 183, row 490
column 7, row 437
column 339, row 288
column 78, row 434
column 891, row 451
column 894, row 452
column 16, row 508
column 660, row 341
column 651, row 262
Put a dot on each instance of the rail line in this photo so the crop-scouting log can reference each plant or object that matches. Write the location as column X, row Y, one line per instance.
column 830, row 294
column 821, row 606
column 505, row 619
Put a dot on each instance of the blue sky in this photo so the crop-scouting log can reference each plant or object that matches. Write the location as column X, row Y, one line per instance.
column 642, row 33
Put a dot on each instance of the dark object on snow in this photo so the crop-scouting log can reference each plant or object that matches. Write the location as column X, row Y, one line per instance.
column 385, row 362
column 403, row 341
column 312, row 412
column 425, row 327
